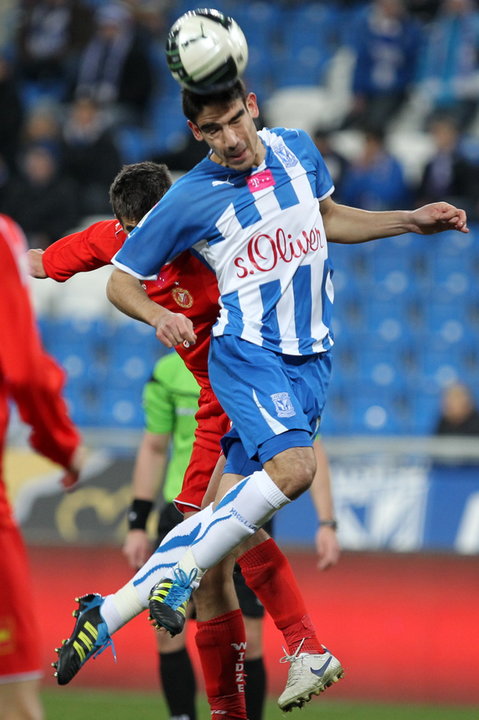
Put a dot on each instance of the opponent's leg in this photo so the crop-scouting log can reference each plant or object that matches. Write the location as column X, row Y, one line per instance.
column 221, row 641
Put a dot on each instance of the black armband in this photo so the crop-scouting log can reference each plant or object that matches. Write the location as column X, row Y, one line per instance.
column 138, row 514
column 333, row 524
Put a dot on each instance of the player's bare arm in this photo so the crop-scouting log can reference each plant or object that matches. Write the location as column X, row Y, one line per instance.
column 127, row 294
column 149, row 472
column 35, row 263
column 345, row 224
column 326, row 539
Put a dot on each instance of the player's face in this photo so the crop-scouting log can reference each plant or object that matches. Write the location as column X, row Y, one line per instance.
column 128, row 225
column 231, row 133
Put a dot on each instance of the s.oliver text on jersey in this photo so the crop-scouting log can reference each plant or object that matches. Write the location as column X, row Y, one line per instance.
column 265, row 252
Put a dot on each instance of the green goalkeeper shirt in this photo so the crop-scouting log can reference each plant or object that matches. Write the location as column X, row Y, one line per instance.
column 170, row 402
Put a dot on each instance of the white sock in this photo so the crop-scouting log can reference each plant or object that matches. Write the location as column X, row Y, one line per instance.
column 244, row 508
column 131, row 599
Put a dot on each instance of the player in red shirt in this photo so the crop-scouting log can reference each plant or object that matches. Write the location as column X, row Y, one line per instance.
column 188, row 286
column 34, row 381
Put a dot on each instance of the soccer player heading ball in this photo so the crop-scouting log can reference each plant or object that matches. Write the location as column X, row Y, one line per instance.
column 206, row 51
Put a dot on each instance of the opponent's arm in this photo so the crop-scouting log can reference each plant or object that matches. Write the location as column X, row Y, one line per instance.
column 82, row 251
column 33, row 378
column 326, row 539
column 345, row 224
column 127, row 294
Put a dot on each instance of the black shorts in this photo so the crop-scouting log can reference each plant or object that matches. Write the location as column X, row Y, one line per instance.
column 248, row 602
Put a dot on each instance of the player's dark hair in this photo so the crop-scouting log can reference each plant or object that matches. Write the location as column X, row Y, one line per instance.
column 137, row 188
column 193, row 103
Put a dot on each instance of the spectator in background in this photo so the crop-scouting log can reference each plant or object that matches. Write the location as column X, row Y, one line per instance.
column 33, row 380
column 184, row 156
column 11, row 113
column 51, row 35
column 336, row 163
column 449, row 72
column 386, row 45
column 375, row 180
column 449, row 174
column 42, row 126
column 90, row 155
column 115, row 68
column 459, row 414
column 424, row 10
column 40, row 199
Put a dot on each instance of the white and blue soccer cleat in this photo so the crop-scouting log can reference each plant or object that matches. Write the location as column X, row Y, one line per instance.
column 309, row 674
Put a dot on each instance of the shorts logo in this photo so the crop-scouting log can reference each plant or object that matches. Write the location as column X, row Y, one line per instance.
column 283, row 405
column 182, row 297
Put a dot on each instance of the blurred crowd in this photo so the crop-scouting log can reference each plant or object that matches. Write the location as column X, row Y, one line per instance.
column 75, row 74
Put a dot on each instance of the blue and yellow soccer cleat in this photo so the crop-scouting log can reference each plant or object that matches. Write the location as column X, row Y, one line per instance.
column 89, row 638
column 169, row 599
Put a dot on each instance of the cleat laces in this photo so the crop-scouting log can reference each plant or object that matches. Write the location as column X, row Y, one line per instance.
column 181, row 589
column 295, row 669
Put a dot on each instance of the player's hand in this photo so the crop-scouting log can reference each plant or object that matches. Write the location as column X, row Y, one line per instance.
column 327, row 547
column 137, row 548
column 71, row 478
column 437, row 217
column 174, row 328
column 35, row 263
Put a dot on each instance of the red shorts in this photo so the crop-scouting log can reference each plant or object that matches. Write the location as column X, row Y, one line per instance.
column 20, row 654
column 213, row 423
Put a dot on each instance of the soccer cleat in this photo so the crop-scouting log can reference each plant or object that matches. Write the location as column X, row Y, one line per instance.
column 89, row 638
column 169, row 599
column 308, row 675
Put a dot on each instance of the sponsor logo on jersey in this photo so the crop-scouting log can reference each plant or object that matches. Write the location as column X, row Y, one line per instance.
column 283, row 405
column 260, row 181
column 182, row 297
column 264, row 251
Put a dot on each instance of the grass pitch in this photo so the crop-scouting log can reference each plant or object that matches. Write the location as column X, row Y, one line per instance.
column 61, row 703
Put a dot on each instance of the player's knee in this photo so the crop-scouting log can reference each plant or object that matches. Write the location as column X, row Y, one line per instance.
column 293, row 470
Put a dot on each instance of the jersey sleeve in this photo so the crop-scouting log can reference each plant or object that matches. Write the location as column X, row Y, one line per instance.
column 323, row 182
column 31, row 377
column 82, row 251
column 171, row 226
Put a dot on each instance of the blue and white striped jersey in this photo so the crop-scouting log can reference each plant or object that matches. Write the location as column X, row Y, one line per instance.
column 261, row 232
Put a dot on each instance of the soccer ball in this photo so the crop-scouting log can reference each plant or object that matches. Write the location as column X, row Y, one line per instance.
column 206, row 51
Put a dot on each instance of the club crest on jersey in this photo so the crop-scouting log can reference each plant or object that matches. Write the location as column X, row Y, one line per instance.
column 182, row 297
column 283, row 405
column 288, row 158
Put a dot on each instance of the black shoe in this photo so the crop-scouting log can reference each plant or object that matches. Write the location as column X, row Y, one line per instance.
column 90, row 637
column 169, row 599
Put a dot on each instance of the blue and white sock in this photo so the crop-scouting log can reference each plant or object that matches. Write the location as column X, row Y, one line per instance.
column 243, row 509
column 130, row 600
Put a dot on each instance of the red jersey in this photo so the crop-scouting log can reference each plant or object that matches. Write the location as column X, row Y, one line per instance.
column 185, row 285
column 28, row 375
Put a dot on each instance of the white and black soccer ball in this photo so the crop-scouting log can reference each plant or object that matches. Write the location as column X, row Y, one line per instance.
column 206, row 51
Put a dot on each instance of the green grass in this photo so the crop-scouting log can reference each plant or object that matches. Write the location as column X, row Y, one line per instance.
column 64, row 703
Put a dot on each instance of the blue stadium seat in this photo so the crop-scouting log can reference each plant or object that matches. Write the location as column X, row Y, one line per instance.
column 373, row 412
column 134, row 144
column 120, row 408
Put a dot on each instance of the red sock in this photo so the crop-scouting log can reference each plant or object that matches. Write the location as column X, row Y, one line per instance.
column 268, row 574
column 221, row 644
